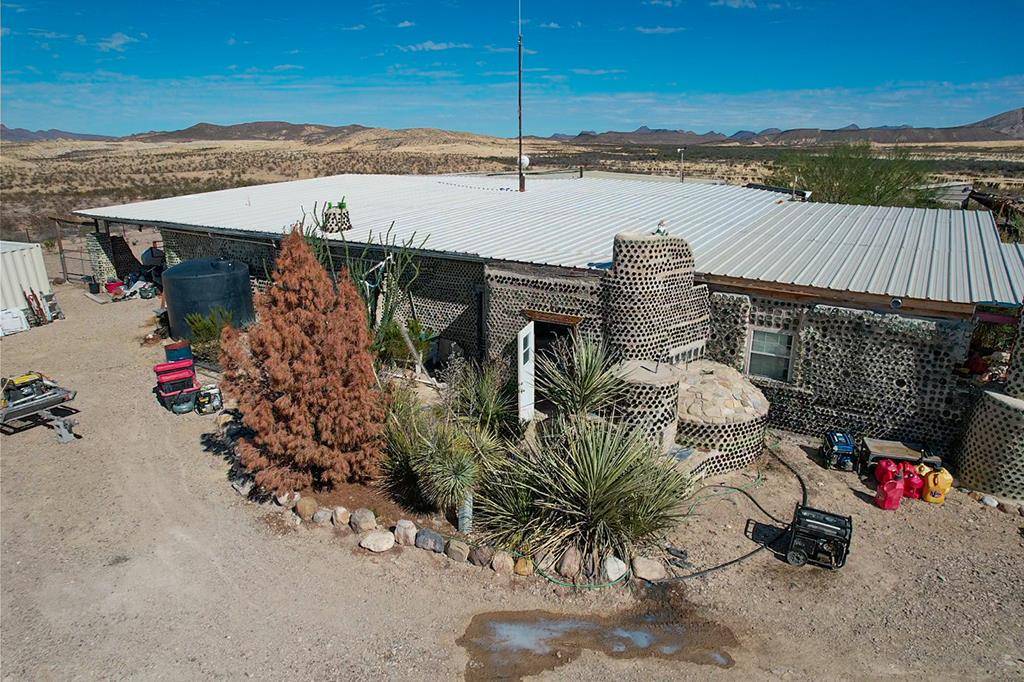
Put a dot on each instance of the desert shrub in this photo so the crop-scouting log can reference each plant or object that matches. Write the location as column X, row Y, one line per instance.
column 206, row 331
column 406, row 421
column 855, row 174
column 483, row 394
column 304, row 380
column 433, row 459
column 1013, row 229
column 390, row 347
column 576, row 376
column 447, row 466
column 593, row 484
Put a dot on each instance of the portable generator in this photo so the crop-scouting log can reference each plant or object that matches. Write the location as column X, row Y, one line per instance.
column 819, row 537
column 838, row 451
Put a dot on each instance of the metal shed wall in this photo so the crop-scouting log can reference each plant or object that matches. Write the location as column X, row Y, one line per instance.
column 21, row 268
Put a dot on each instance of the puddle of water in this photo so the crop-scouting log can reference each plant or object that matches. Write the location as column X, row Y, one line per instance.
column 514, row 644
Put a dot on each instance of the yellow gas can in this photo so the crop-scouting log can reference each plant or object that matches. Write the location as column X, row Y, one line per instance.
column 923, row 470
column 936, row 485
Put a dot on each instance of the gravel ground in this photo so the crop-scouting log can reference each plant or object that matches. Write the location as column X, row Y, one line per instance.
column 127, row 554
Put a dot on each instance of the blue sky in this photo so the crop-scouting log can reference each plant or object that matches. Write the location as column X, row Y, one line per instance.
column 122, row 67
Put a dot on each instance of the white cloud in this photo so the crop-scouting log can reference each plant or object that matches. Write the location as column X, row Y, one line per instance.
column 659, row 30
column 81, row 39
column 354, row 27
column 513, row 73
column 501, row 49
column 597, row 72
column 431, row 46
column 550, row 24
column 288, row 67
column 663, row 3
column 735, row 4
column 232, row 41
column 47, row 35
column 116, row 42
column 405, row 24
column 435, row 74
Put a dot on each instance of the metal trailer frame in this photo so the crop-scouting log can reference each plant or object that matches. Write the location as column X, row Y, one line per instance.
column 40, row 410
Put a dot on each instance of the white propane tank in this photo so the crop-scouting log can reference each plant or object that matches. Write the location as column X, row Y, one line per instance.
column 525, row 160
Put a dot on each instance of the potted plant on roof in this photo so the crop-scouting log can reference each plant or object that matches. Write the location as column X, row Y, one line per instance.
column 336, row 217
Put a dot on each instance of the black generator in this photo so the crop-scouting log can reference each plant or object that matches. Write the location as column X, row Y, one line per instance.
column 818, row 537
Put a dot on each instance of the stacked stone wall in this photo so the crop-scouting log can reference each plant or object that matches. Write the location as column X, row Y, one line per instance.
column 653, row 310
column 1015, row 374
column 866, row 373
column 110, row 256
column 510, row 291
column 730, row 316
column 650, row 402
column 991, row 458
column 447, row 299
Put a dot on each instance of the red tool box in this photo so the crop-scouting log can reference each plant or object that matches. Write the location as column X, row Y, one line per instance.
column 176, row 385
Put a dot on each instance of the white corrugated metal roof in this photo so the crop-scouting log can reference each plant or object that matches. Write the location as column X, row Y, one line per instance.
column 930, row 254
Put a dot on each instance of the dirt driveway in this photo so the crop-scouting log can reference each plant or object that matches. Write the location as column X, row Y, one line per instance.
column 127, row 554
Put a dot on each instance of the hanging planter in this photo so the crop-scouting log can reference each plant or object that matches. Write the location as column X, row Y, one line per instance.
column 336, row 218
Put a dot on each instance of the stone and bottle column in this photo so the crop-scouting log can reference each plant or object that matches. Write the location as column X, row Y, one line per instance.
column 658, row 322
column 991, row 456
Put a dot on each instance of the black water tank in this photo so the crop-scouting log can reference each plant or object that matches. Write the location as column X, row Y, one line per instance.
column 199, row 286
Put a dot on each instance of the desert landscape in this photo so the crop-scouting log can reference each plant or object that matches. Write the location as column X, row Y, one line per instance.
column 56, row 173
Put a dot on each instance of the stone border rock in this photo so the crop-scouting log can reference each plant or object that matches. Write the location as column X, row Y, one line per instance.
column 297, row 510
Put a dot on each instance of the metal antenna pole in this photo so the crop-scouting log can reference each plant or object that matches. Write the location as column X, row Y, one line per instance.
column 522, row 178
column 682, row 152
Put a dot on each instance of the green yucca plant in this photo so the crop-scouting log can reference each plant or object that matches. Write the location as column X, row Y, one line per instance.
column 403, row 429
column 593, row 484
column 483, row 394
column 577, row 376
column 434, row 459
column 447, row 467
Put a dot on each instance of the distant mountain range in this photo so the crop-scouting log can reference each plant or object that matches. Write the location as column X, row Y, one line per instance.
column 258, row 130
column 1006, row 126
column 24, row 135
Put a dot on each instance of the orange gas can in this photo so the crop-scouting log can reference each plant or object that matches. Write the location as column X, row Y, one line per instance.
column 936, row 485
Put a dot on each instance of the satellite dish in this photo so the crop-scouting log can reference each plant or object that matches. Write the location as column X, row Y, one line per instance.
column 525, row 161
column 896, row 303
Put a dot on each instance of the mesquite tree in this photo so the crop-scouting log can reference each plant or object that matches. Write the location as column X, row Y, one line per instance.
column 304, row 380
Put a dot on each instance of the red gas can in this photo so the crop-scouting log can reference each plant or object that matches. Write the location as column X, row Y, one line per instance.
column 912, row 486
column 889, row 494
column 886, row 470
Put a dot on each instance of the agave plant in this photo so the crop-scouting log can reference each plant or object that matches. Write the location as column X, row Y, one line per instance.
column 577, row 376
column 593, row 484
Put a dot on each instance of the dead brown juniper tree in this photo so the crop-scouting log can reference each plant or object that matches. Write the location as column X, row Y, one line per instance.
column 303, row 377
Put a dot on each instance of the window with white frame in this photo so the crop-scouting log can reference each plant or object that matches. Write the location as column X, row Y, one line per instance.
column 770, row 354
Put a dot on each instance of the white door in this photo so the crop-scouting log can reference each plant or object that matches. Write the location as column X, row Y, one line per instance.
column 525, row 361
